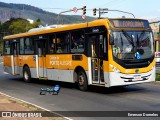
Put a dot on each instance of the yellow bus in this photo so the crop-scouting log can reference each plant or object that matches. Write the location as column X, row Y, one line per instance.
column 104, row 52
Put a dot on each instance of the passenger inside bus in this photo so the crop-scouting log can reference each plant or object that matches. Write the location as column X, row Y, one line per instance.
column 59, row 48
column 74, row 43
column 51, row 50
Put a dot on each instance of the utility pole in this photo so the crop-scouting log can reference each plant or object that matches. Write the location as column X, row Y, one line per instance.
column 124, row 12
column 102, row 11
column 61, row 13
column 105, row 10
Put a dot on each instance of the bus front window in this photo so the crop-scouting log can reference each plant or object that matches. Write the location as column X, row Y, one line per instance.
column 133, row 45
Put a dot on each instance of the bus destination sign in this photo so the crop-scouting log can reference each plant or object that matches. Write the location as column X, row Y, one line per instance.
column 122, row 23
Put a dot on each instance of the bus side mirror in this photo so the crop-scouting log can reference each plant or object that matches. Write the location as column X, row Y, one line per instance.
column 111, row 40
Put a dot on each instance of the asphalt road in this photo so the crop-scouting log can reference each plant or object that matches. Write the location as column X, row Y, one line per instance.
column 141, row 97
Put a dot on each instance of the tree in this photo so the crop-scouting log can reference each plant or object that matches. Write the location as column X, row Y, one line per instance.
column 20, row 26
column 38, row 20
column 15, row 26
column 37, row 23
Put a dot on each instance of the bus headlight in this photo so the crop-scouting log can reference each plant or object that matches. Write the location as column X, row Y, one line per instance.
column 114, row 68
column 153, row 68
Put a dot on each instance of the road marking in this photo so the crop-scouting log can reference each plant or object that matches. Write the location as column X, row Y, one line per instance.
column 35, row 106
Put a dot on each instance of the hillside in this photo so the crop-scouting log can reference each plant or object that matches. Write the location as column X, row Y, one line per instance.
column 10, row 10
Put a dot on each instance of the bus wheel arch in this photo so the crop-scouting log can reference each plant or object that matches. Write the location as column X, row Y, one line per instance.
column 80, row 78
column 26, row 74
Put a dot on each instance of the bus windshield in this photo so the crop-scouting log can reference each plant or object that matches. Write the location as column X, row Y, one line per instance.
column 133, row 45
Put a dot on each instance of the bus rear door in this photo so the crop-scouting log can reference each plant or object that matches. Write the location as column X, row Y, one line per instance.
column 41, row 58
column 15, row 57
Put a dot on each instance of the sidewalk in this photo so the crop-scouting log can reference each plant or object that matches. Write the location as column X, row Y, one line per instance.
column 10, row 104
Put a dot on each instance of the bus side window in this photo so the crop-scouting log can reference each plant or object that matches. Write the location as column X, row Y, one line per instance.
column 52, row 44
column 39, row 52
column 22, row 46
column 59, row 44
column 7, row 48
column 62, row 42
column 39, row 49
column 77, row 41
column 105, row 43
column 29, row 46
column 59, row 50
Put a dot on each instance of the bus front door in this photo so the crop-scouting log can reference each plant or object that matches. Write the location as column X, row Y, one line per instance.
column 14, row 58
column 41, row 65
column 97, row 50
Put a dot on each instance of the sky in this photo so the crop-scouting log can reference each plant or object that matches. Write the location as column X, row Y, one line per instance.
column 148, row 9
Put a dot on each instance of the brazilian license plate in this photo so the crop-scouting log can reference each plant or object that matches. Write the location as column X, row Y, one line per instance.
column 137, row 77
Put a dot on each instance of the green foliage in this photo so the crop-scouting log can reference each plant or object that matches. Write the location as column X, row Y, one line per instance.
column 38, row 20
column 158, row 76
column 19, row 26
column 15, row 26
column 37, row 23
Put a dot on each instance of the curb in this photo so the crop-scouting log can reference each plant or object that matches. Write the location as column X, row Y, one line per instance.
column 35, row 106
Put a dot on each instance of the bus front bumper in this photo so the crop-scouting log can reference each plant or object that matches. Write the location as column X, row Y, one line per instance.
column 120, row 79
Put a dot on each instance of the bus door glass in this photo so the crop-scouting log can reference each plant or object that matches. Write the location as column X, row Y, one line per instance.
column 41, row 51
column 15, row 60
column 97, row 56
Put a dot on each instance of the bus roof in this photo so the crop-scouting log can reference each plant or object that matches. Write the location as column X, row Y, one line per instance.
column 59, row 28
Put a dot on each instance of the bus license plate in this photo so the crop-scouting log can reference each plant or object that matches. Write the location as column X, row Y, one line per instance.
column 137, row 77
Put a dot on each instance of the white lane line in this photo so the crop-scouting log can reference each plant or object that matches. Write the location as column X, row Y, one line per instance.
column 35, row 106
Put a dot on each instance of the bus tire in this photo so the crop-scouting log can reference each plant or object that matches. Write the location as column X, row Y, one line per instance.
column 82, row 81
column 26, row 74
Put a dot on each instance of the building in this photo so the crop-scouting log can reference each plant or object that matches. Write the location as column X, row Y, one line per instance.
column 155, row 25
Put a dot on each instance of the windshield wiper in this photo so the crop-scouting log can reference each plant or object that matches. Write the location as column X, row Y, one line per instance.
column 141, row 35
column 130, row 40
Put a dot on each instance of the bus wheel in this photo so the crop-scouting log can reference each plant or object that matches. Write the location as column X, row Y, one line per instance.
column 26, row 74
column 82, row 81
